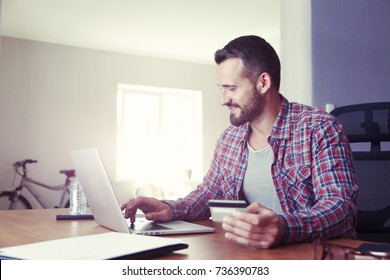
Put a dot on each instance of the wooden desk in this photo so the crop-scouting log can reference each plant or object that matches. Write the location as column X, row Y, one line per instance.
column 27, row 226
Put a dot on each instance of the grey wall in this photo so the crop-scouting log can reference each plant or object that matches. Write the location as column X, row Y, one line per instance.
column 350, row 51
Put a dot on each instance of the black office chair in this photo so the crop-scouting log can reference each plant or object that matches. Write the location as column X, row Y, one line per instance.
column 367, row 127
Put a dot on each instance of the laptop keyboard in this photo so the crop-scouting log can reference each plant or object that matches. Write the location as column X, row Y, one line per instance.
column 146, row 226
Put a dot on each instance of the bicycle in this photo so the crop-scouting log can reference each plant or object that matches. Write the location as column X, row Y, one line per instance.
column 10, row 200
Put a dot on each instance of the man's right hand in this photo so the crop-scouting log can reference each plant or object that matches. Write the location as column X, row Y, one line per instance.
column 153, row 209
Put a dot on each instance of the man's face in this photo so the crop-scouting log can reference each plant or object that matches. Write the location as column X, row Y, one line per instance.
column 238, row 93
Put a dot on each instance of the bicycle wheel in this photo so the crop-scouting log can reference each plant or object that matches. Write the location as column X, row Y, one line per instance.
column 5, row 201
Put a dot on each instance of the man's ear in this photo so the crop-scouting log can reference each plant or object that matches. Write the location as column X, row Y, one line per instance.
column 264, row 83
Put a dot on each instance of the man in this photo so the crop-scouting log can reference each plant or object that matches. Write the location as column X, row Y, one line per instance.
column 290, row 162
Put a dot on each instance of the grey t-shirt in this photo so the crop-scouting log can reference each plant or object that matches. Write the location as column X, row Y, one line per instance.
column 258, row 185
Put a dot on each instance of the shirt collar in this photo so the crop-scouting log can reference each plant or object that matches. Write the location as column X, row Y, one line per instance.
column 281, row 129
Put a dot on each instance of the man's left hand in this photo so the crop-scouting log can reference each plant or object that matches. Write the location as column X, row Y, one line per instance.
column 257, row 227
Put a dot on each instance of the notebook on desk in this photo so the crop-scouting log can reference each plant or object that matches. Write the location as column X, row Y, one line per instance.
column 105, row 206
column 111, row 245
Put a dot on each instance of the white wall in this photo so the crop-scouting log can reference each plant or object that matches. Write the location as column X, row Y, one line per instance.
column 295, row 50
column 55, row 98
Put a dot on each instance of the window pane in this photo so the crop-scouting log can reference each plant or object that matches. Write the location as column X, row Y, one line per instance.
column 159, row 134
column 138, row 133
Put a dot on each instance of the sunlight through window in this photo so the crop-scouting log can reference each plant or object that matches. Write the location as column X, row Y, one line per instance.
column 159, row 134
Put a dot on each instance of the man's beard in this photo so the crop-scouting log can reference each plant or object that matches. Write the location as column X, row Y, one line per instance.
column 249, row 111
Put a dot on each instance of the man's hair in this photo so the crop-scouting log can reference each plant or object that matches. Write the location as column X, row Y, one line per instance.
column 257, row 55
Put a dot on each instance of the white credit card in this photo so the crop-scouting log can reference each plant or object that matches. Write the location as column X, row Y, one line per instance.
column 221, row 208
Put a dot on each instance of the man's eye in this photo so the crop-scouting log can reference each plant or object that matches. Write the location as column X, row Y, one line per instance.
column 231, row 88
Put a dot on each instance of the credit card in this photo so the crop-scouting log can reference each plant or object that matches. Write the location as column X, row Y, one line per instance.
column 221, row 208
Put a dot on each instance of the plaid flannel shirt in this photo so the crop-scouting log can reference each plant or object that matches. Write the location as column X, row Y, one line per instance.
column 313, row 175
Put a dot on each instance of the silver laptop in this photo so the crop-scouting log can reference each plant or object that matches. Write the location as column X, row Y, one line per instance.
column 105, row 206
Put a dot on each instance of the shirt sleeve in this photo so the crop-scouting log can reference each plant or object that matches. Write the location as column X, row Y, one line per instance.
column 333, row 210
column 195, row 205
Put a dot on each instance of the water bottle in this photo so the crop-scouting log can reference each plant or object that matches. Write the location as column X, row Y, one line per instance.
column 78, row 200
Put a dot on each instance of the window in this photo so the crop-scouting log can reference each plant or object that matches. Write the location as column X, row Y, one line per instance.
column 159, row 134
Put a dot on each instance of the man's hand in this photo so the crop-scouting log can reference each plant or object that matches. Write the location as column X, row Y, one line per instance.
column 153, row 209
column 258, row 227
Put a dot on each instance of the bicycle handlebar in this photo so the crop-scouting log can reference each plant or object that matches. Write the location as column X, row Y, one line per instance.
column 24, row 162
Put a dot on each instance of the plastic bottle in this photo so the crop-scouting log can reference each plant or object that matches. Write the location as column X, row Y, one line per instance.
column 78, row 200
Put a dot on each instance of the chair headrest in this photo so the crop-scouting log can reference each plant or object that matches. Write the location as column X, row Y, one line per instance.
column 367, row 122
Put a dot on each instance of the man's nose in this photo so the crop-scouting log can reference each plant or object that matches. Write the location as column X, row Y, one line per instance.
column 224, row 98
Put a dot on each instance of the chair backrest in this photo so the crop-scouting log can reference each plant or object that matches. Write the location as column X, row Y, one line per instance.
column 367, row 127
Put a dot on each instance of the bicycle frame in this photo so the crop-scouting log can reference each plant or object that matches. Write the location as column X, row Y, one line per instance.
column 18, row 200
column 29, row 184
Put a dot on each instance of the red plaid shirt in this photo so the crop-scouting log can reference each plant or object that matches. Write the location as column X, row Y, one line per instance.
column 313, row 175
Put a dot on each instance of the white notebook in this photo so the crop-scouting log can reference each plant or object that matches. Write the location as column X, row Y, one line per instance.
column 112, row 245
